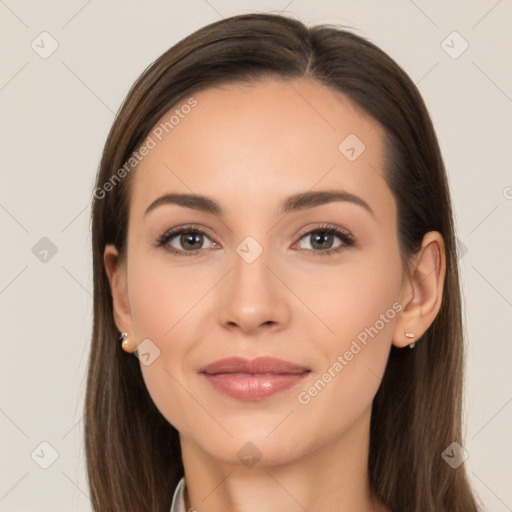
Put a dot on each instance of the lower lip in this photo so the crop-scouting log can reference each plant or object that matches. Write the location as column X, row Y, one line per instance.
column 245, row 386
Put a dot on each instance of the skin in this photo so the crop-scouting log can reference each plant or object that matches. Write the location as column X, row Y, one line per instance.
column 249, row 147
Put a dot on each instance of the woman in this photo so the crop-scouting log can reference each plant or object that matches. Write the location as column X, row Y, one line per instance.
column 273, row 241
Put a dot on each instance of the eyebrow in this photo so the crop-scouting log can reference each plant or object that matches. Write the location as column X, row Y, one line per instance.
column 301, row 201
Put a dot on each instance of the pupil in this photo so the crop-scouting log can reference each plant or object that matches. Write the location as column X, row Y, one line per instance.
column 323, row 237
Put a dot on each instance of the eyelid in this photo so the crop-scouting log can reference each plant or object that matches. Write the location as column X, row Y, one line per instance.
column 176, row 230
column 323, row 226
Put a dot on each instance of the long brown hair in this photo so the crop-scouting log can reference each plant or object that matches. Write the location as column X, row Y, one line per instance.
column 133, row 453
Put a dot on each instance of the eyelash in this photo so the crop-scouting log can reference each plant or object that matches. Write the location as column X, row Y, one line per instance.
column 346, row 239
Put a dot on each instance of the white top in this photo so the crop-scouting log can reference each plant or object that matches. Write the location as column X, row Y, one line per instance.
column 178, row 499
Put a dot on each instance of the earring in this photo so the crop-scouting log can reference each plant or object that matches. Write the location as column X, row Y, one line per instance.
column 123, row 338
column 410, row 335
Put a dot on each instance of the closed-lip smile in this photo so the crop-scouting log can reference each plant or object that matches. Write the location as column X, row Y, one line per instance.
column 253, row 379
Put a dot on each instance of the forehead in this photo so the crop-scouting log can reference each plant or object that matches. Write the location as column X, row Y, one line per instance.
column 252, row 144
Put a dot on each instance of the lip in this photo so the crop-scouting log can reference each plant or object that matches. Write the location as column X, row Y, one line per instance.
column 253, row 379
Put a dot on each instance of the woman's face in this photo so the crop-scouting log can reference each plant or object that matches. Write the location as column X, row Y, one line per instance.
column 246, row 281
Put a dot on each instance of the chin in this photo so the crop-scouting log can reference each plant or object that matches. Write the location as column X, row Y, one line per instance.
column 255, row 442
column 255, row 452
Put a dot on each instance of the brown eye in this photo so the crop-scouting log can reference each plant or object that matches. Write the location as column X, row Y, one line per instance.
column 326, row 240
column 321, row 240
column 191, row 241
column 185, row 241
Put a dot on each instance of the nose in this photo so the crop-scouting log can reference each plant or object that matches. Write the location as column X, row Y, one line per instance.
column 253, row 298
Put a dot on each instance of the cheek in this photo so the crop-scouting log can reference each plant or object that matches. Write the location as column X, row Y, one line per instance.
column 355, row 298
column 342, row 390
column 163, row 305
column 161, row 296
column 359, row 304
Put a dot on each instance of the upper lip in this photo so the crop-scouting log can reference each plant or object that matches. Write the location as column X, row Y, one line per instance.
column 254, row 366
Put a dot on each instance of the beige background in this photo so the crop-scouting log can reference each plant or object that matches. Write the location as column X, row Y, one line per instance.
column 56, row 113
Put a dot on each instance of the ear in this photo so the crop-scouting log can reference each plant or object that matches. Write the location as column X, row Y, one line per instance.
column 422, row 292
column 116, row 273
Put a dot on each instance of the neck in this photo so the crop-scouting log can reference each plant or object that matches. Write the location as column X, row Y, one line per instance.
column 331, row 478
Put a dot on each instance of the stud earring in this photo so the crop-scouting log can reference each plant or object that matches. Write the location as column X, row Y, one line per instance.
column 410, row 335
column 123, row 338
